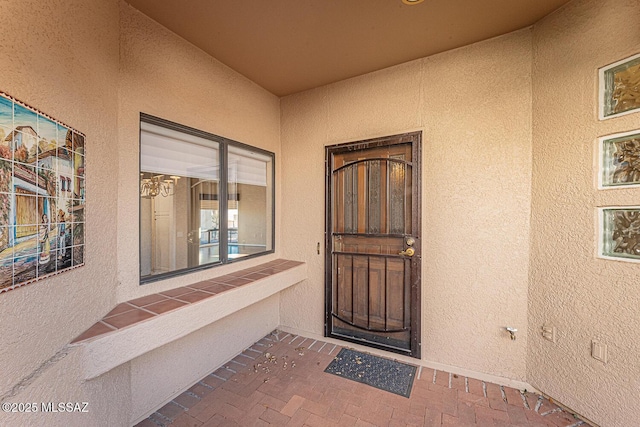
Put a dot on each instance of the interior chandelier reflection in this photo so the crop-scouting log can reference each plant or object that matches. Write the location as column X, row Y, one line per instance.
column 153, row 185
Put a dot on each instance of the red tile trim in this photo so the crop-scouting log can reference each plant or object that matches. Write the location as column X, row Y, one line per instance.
column 194, row 296
column 256, row 276
column 140, row 309
column 199, row 285
column 176, row 292
column 239, row 281
column 146, row 300
column 129, row 318
column 164, row 306
column 98, row 328
column 218, row 288
column 120, row 308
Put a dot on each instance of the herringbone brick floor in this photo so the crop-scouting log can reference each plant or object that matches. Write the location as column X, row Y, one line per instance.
column 280, row 381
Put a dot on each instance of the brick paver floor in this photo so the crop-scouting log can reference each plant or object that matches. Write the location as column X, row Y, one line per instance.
column 280, row 381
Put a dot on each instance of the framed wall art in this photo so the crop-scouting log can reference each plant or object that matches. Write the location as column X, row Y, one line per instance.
column 619, row 156
column 620, row 88
column 42, row 195
column 619, row 229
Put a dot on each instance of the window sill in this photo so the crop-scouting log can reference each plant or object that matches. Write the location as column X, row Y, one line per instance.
column 139, row 326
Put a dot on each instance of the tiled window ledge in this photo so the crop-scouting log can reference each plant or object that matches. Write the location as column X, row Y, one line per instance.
column 136, row 327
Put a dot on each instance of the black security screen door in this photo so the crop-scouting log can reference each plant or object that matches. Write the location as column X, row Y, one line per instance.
column 373, row 243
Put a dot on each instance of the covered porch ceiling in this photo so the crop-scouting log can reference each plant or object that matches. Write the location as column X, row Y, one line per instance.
column 288, row 46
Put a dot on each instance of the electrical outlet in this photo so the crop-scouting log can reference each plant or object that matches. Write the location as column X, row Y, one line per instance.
column 549, row 333
column 599, row 351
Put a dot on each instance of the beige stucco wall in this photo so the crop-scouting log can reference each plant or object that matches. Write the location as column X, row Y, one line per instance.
column 490, row 114
column 473, row 105
column 584, row 297
column 62, row 58
column 160, row 375
column 162, row 75
column 96, row 67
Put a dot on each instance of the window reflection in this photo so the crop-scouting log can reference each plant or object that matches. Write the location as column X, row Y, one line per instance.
column 180, row 229
column 250, row 206
column 184, row 223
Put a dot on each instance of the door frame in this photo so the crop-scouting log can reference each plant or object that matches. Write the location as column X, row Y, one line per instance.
column 415, row 138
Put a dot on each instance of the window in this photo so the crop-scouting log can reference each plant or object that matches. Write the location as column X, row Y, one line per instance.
column 204, row 200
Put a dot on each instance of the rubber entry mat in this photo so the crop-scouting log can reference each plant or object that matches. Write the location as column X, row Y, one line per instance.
column 388, row 375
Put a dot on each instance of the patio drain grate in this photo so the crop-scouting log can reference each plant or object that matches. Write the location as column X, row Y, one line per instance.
column 388, row 375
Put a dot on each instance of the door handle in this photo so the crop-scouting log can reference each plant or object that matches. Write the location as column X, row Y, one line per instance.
column 408, row 252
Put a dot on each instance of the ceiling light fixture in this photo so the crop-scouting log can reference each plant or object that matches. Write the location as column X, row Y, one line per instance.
column 412, row 2
column 151, row 186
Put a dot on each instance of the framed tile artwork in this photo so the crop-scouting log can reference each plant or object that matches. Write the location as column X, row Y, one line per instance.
column 620, row 88
column 42, row 195
column 619, row 158
column 619, row 229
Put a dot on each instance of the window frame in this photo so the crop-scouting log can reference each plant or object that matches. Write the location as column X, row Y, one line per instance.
column 223, row 144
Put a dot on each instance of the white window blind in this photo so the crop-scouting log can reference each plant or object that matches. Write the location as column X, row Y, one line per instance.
column 246, row 167
column 168, row 152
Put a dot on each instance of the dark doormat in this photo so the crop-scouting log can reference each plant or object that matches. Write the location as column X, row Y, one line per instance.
column 388, row 375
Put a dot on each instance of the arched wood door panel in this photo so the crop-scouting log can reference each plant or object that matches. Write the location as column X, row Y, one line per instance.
column 373, row 243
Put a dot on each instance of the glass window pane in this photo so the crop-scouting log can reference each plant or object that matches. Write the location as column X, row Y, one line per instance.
column 621, row 233
column 181, row 209
column 620, row 164
column 178, row 201
column 206, row 215
column 250, row 208
column 621, row 87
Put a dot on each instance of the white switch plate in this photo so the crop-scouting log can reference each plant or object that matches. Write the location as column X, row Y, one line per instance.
column 549, row 333
column 599, row 351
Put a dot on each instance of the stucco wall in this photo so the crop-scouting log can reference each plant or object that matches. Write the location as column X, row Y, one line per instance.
column 584, row 297
column 96, row 67
column 163, row 75
column 473, row 105
column 159, row 376
column 62, row 58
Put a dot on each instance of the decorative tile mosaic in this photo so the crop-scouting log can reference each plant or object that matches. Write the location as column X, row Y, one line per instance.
column 42, row 195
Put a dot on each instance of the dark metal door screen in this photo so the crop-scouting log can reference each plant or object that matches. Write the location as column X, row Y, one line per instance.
column 373, row 243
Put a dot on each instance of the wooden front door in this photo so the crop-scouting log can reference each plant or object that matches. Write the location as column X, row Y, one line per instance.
column 373, row 243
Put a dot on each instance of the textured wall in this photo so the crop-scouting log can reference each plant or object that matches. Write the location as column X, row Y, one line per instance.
column 584, row 297
column 62, row 58
column 96, row 67
column 474, row 107
column 159, row 376
column 162, row 75
column 476, row 204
